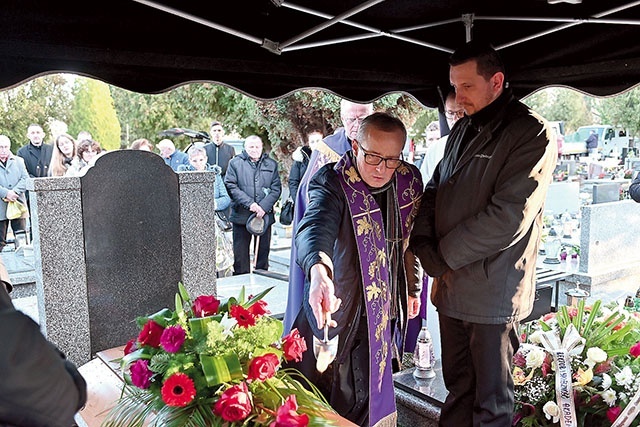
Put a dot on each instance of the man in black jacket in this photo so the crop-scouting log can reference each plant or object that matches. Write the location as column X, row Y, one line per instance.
column 39, row 387
column 36, row 154
column 254, row 185
column 219, row 152
column 477, row 233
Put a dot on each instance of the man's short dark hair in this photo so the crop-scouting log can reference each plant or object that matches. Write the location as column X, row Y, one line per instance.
column 383, row 121
column 486, row 57
column 215, row 123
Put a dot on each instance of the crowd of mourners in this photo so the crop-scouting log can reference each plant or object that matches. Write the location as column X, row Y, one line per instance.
column 372, row 233
column 246, row 189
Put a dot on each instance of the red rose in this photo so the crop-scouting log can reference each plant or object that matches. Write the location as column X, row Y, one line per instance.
column 613, row 413
column 293, row 346
column 130, row 347
column 234, row 404
column 205, row 305
column 635, row 349
column 259, row 308
column 150, row 334
column 263, row 367
column 243, row 316
column 287, row 415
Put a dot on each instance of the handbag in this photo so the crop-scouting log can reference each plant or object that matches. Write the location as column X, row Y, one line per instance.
column 15, row 210
column 224, row 249
column 286, row 213
column 222, row 222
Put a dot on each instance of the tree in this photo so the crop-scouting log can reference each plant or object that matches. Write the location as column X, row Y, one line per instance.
column 94, row 111
column 41, row 101
column 561, row 104
column 622, row 111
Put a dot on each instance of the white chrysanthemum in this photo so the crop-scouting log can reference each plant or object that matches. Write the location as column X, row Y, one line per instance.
column 606, row 381
column 625, row 377
column 551, row 410
column 609, row 396
column 535, row 337
column 596, row 354
column 535, row 358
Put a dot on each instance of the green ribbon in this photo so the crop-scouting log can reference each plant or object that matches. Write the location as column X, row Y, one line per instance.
column 221, row 369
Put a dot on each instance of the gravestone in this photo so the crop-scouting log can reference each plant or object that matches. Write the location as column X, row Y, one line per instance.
column 563, row 196
column 606, row 192
column 114, row 244
column 131, row 212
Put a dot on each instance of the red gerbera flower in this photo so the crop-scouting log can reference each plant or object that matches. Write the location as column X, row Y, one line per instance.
column 244, row 317
column 259, row 308
column 178, row 390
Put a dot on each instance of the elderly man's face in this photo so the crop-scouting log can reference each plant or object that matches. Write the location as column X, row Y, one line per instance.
column 352, row 116
column 5, row 148
column 166, row 150
column 253, row 147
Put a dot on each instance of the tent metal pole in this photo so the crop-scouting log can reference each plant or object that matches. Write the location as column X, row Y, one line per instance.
column 201, row 21
column 330, row 22
column 563, row 27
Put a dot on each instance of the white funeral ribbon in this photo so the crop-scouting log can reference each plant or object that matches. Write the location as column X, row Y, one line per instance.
column 572, row 345
column 630, row 412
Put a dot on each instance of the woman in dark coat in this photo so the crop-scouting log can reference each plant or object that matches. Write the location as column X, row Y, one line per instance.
column 300, row 162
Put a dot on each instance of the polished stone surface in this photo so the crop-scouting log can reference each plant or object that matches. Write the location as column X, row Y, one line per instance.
column 419, row 400
column 138, row 216
column 132, row 241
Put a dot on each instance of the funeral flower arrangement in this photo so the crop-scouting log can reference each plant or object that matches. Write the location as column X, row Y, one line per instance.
column 579, row 367
column 215, row 363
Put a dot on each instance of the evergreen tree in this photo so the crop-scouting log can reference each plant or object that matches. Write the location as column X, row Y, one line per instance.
column 94, row 111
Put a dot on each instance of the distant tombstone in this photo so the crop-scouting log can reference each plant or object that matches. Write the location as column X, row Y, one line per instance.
column 563, row 196
column 131, row 220
column 606, row 192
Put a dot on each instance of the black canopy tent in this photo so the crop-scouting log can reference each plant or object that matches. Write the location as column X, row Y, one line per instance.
column 358, row 49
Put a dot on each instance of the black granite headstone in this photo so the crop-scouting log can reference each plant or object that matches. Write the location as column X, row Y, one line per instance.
column 131, row 220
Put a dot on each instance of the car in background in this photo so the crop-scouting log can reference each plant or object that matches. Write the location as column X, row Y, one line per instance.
column 611, row 141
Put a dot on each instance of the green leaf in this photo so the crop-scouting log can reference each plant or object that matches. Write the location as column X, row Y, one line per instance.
column 221, row 369
column 183, row 292
column 179, row 305
column 198, row 325
column 141, row 353
column 162, row 317
column 257, row 297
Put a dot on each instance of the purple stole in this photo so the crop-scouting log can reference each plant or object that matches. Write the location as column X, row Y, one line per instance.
column 374, row 270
